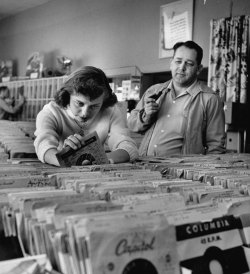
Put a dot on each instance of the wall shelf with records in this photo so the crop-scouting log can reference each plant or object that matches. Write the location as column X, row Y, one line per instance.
column 38, row 92
column 125, row 82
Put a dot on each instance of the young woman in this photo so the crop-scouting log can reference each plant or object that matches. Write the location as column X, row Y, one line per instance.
column 84, row 104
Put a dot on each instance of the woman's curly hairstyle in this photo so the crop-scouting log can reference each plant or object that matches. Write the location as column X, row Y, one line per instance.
column 88, row 81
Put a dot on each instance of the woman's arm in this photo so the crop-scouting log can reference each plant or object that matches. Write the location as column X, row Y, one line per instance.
column 118, row 156
column 53, row 132
column 123, row 148
column 50, row 157
column 47, row 136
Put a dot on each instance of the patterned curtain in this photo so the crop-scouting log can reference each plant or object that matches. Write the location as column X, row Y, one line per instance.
column 227, row 72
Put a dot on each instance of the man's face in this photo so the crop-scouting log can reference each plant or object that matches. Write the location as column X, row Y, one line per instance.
column 85, row 110
column 184, row 67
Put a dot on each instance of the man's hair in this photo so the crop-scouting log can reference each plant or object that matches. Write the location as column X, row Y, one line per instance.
column 88, row 81
column 3, row 88
column 191, row 45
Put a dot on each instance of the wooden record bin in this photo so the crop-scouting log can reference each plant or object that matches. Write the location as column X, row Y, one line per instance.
column 38, row 92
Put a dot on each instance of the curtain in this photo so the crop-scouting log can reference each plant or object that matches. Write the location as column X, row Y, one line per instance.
column 227, row 71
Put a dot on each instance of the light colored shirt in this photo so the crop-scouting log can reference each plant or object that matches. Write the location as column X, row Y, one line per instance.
column 54, row 124
column 167, row 138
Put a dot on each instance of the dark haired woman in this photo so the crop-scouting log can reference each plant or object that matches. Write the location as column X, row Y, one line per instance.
column 84, row 104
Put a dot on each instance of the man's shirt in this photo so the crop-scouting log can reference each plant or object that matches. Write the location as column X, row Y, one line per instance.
column 167, row 138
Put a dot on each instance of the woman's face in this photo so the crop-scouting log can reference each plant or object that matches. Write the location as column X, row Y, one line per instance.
column 85, row 110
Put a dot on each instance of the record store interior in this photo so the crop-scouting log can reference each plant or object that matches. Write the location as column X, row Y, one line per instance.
column 124, row 137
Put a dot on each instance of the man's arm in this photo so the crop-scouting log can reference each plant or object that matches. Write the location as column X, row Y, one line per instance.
column 215, row 131
column 10, row 109
column 144, row 115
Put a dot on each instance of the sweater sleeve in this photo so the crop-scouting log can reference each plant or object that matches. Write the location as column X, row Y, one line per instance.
column 47, row 135
column 119, row 134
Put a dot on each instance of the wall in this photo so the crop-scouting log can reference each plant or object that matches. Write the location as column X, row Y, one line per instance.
column 106, row 33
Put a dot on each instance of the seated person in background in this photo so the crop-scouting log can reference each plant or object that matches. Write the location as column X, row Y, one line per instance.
column 131, row 105
column 183, row 115
column 7, row 104
column 84, row 104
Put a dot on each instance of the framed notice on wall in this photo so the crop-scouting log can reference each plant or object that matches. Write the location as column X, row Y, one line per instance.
column 176, row 24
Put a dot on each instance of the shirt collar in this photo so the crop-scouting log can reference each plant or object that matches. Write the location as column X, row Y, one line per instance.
column 192, row 90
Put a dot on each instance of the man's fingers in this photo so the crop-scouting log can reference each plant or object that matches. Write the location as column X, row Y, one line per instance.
column 151, row 108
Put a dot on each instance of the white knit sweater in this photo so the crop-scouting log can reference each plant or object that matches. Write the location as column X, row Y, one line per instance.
column 54, row 125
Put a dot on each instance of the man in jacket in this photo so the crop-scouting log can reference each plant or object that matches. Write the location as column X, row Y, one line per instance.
column 183, row 115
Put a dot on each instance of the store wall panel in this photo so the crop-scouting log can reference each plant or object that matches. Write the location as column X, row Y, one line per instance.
column 107, row 33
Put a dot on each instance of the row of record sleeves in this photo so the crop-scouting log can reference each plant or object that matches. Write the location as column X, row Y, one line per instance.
column 182, row 214
column 16, row 140
column 188, row 214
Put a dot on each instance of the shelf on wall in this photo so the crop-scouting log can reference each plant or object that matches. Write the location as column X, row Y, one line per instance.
column 122, row 71
column 125, row 82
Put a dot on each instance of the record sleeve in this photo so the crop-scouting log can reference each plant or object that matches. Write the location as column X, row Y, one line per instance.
column 92, row 150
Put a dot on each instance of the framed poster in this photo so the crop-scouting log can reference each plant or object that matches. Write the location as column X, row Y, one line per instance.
column 176, row 25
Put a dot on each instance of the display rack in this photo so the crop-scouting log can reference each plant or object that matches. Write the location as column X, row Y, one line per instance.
column 37, row 92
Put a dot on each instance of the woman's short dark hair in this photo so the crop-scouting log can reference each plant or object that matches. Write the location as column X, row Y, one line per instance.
column 88, row 81
column 191, row 45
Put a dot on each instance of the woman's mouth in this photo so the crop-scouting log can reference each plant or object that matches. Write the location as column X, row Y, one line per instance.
column 84, row 120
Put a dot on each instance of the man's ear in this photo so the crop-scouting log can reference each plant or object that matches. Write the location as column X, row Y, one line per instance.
column 171, row 62
column 199, row 69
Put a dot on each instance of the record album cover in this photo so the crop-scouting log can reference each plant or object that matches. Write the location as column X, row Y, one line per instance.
column 91, row 150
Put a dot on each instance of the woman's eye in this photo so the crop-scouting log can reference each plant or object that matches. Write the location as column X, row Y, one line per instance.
column 79, row 104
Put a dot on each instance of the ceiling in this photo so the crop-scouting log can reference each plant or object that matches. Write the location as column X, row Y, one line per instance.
column 13, row 7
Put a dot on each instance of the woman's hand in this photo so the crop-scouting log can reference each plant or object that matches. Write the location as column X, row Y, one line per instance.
column 73, row 141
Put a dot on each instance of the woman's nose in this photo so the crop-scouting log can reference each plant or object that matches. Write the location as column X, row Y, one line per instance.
column 84, row 111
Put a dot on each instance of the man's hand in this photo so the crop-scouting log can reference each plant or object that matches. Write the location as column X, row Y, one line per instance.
column 151, row 107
